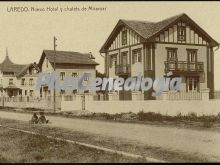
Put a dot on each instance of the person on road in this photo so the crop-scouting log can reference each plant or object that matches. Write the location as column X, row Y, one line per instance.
column 42, row 119
column 34, row 118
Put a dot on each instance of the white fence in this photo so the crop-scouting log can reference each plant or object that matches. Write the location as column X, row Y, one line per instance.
column 31, row 102
column 183, row 95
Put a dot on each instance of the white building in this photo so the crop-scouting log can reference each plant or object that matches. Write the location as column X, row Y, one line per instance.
column 67, row 63
column 17, row 79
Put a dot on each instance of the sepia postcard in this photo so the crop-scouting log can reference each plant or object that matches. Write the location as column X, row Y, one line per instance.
column 109, row 82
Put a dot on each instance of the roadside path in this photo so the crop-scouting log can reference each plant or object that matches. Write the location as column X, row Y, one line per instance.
column 190, row 141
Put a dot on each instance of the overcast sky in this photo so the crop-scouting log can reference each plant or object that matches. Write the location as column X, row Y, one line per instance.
column 26, row 34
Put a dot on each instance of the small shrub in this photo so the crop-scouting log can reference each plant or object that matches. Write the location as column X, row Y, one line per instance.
column 192, row 116
column 150, row 116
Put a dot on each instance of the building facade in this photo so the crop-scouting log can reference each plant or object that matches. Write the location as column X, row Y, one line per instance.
column 17, row 79
column 176, row 45
column 67, row 64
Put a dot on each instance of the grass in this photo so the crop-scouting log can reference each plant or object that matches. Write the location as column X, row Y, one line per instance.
column 18, row 147
column 82, row 154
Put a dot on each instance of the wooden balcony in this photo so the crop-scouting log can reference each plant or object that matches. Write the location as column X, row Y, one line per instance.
column 123, row 69
column 184, row 66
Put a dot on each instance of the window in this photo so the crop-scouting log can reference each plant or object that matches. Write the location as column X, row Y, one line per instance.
column 25, row 92
column 62, row 75
column 113, row 60
column 181, row 31
column 124, row 37
column 10, row 81
column 124, row 58
column 86, row 78
column 192, row 55
column 31, row 93
column 172, row 54
column 62, row 92
column 136, row 56
column 23, row 81
column 74, row 74
column 31, row 81
column 192, row 84
column 192, row 58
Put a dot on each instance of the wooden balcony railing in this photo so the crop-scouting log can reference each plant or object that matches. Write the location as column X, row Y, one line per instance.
column 122, row 69
column 184, row 66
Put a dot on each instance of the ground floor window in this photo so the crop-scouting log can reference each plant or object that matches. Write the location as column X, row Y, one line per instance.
column 192, row 84
column 20, row 92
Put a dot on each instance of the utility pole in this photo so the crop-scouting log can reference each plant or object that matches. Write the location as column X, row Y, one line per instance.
column 54, row 66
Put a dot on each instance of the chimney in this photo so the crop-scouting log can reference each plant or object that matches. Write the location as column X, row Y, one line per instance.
column 91, row 56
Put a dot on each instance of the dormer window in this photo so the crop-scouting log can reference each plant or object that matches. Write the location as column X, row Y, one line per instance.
column 124, row 37
column 181, row 34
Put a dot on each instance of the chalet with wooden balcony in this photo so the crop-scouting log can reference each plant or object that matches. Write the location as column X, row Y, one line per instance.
column 176, row 44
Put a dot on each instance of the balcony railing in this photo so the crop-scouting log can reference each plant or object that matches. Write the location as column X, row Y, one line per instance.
column 122, row 69
column 184, row 66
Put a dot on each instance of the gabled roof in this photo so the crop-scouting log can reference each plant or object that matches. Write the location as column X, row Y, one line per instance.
column 68, row 57
column 8, row 66
column 25, row 68
column 148, row 30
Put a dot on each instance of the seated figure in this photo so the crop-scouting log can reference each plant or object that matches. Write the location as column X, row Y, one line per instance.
column 34, row 118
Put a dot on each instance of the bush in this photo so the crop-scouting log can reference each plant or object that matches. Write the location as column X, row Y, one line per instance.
column 192, row 116
column 150, row 116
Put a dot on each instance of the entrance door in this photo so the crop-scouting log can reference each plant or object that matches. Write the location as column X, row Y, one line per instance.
column 10, row 93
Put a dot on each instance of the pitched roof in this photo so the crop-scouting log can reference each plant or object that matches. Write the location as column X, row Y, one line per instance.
column 148, row 30
column 8, row 66
column 26, row 67
column 68, row 57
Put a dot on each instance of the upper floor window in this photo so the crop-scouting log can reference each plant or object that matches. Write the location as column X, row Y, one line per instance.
column 192, row 55
column 124, row 37
column 86, row 78
column 113, row 60
column 10, row 81
column 31, row 81
column 23, row 81
column 136, row 54
column 62, row 75
column 181, row 31
column 172, row 54
column 74, row 74
column 124, row 58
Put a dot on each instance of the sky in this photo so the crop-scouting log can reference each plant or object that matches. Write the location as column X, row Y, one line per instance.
column 26, row 34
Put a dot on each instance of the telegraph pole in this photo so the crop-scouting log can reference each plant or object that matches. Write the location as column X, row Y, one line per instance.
column 54, row 66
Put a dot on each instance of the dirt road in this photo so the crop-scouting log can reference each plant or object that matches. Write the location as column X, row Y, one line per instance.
column 190, row 141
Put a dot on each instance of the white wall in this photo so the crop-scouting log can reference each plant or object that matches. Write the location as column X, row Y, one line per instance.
column 164, row 107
